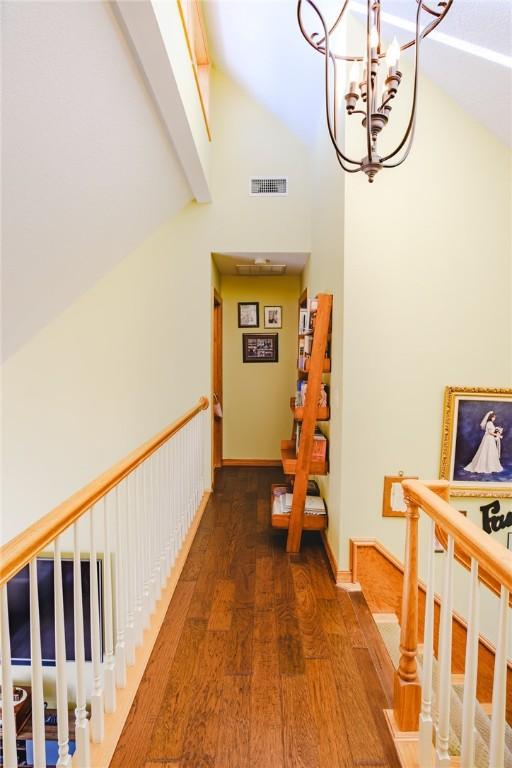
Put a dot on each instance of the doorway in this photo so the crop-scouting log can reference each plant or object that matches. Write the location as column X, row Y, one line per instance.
column 217, row 383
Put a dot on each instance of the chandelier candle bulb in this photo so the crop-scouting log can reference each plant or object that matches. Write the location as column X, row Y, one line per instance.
column 376, row 99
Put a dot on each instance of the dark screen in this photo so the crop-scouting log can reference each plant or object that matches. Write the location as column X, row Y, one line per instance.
column 18, row 597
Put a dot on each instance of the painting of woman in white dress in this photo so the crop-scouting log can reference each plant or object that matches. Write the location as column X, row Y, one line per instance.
column 487, row 457
column 476, row 452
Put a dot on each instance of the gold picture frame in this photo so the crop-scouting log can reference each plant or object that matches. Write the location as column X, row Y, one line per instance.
column 476, row 440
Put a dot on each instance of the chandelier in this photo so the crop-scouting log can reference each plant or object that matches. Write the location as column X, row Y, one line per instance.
column 375, row 90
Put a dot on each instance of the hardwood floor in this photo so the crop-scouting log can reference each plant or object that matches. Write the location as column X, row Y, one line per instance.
column 261, row 661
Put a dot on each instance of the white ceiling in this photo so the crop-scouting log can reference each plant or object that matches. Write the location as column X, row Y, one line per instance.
column 258, row 44
column 226, row 262
column 88, row 171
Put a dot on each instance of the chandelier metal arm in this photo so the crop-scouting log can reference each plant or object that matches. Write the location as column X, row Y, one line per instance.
column 412, row 118
column 319, row 44
column 369, row 89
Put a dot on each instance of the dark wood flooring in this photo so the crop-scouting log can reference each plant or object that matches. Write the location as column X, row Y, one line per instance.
column 261, row 661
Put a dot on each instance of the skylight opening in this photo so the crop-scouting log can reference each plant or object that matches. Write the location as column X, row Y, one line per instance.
column 453, row 42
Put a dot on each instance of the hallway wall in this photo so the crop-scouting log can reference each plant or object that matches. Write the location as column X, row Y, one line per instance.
column 256, row 395
column 424, row 296
column 134, row 351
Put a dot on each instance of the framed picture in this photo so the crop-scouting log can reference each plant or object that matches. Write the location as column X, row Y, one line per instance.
column 273, row 317
column 476, row 446
column 393, row 502
column 248, row 314
column 509, row 540
column 260, row 347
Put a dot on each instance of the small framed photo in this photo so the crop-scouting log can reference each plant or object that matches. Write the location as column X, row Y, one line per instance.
column 260, row 347
column 393, row 502
column 248, row 314
column 476, row 446
column 509, row 540
column 273, row 317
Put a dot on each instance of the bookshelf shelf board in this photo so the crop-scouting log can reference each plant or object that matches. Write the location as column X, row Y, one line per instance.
column 322, row 414
column 309, row 522
column 326, row 365
column 289, row 460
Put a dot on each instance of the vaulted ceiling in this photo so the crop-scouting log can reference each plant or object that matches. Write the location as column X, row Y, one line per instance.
column 88, row 171
column 258, row 44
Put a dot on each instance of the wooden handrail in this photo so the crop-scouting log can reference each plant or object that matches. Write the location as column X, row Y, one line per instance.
column 490, row 554
column 20, row 550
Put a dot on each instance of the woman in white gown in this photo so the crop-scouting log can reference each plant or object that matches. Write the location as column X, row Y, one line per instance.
column 487, row 457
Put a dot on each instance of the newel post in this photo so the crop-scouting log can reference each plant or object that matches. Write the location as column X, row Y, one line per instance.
column 407, row 689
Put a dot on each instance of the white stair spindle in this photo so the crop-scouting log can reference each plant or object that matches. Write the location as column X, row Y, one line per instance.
column 499, row 686
column 81, row 757
column 467, row 754
column 154, row 525
column 64, row 759
column 146, row 537
column 119, row 521
column 162, row 481
column 109, row 664
column 8, row 720
column 174, row 501
column 97, row 703
column 139, row 555
column 38, row 736
column 167, row 508
column 130, row 570
column 445, row 660
column 426, row 722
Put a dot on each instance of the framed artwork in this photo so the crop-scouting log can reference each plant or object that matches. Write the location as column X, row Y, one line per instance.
column 393, row 502
column 248, row 314
column 476, row 445
column 260, row 347
column 273, row 317
column 509, row 540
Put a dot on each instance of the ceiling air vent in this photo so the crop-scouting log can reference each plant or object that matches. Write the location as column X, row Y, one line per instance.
column 271, row 186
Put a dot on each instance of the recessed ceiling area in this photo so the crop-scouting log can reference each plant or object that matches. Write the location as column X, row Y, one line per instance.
column 227, row 263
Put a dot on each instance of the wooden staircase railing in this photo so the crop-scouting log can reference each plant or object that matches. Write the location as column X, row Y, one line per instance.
column 129, row 524
column 491, row 564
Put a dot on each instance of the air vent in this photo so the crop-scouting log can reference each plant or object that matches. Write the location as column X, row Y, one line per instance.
column 251, row 270
column 270, row 186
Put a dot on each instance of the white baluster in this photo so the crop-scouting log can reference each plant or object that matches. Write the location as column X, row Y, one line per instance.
column 97, row 703
column 445, row 660
column 154, row 532
column 119, row 521
column 174, row 501
column 38, row 736
column 467, row 754
column 130, row 570
column 146, row 537
column 166, row 456
column 162, row 482
column 499, row 686
column 81, row 757
column 64, row 759
column 138, row 620
column 426, row 721
column 8, row 720
column 109, row 664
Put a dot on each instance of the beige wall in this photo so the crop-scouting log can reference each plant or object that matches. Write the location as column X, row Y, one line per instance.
column 324, row 274
column 423, row 297
column 134, row 351
column 257, row 414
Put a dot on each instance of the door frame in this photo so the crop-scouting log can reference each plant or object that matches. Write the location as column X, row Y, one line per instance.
column 216, row 380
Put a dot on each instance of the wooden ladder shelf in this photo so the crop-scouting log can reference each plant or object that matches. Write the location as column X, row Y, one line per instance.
column 301, row 465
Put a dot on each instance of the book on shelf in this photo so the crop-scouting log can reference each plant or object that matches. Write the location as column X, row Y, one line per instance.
column 307, row 316
column 301, row 392
column 319, row 443
column 314, row 505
